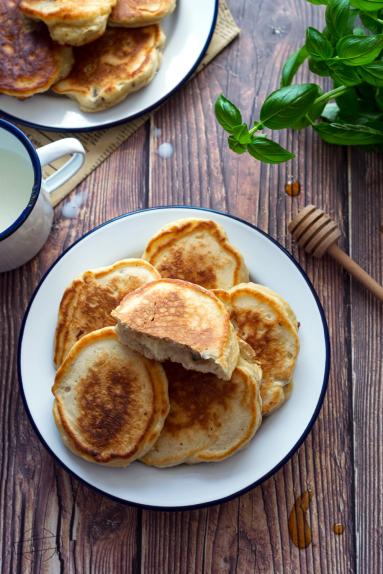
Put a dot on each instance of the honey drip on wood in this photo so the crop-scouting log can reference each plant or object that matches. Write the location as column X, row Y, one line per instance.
column 293, row 187
column 338, row 528
column 299, row 530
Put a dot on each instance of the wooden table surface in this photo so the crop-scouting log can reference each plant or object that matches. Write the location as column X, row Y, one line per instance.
column 341, row 460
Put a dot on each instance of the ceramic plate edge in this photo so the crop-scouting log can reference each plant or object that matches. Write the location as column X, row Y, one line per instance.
column 273, row 470
column 147, row 110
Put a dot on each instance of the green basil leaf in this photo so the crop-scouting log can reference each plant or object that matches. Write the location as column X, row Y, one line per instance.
column 235, row 145
column 358, row 100
column 339, row 18
column 312, row 114
column 379, row 98
column 319, row 67
column 367, row 95
column 377, row 125
column 367, row 5
column 349, row 103
column 369, row 119
column 359, row 50
column 317, row 45
column 327, row 34
column 301, row 124
column 287, row 105
column 348, row 134
column 241, row 134
column 355, row 113
column 316, row 110
column 354, row 110
column 359, row 32
column 268, row 151
column 292, row 65
column 353, row 105
column 370, row 23
column 317, row 2
column 227, row 114
column 372, row 73
column 344, row 75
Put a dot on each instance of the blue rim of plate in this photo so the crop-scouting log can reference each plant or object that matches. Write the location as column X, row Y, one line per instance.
column 268, row 474
column 15, row 131
column 138, row 114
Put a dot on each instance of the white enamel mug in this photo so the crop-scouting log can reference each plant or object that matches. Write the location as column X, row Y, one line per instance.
column 26, row 213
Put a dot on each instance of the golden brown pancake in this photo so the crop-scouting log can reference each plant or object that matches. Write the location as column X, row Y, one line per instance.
column 88, row 301
column 182, row 322
column 110, row 403
column 137, row 13
column 30, row 62
column 261, row 318
column 105, row 72
column 209, row 419
column 73, row 22
column 189, row 426
column 196, row 250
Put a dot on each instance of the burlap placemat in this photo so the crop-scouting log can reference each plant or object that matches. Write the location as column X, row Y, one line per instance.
column 100, row 144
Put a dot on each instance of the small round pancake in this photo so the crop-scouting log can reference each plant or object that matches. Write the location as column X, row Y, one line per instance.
column 137, row 13
column 71, row 22
column 196, row 250
column 110, row 403
column 279, row 300
column 119, row 63
column 209, row 419
column 88, row 301
column 189, row 427
column 178, row 321
column 30, row 62
column 261, row 318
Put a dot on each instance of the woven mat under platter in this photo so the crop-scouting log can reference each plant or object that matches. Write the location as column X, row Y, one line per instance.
column 100, row 144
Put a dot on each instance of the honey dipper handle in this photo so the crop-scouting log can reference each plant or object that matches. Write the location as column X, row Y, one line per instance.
column 355, row 270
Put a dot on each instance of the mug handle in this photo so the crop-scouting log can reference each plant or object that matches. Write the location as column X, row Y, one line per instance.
column 55, row 150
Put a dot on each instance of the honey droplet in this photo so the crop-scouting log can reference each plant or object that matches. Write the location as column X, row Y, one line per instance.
column 299, row 530
column 338, row 528
column 293, row 187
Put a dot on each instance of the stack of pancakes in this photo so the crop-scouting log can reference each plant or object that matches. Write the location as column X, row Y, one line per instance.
column 96, row 52
column 173, row 358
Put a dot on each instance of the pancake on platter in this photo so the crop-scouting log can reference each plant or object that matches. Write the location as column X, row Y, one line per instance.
column 110, row 403
column 178, row 321
column 196, row 250
column 268, row 324
column 30, row 62
column 88, row 301
column 137, row 13
column 119, row 63
column 71, row 22
column 209, row 419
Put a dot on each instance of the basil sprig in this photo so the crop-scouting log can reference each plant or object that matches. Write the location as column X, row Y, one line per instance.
column 349, row 50
column 243, row 139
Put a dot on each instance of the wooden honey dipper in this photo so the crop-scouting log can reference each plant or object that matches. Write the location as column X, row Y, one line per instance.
column 317, row 233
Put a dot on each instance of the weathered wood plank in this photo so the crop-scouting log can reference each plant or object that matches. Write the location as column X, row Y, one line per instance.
column 49, row 522
column 366, row 247
column 39, row 500
column 251, row 534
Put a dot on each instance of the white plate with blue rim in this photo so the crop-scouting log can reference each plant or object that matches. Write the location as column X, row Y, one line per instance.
column 185, row 486
column 188, row 33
